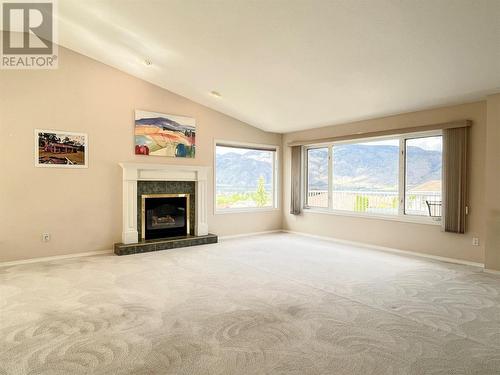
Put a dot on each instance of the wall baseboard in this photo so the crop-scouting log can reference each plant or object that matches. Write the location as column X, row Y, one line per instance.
column 325, row 238
column 104, row 252
column 250, row 234
column 56, row 257
column 390, row 249
column 493, row 272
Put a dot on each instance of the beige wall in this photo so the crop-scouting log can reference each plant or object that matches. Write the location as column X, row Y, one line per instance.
column 492, row 200
column 422, row 238
column 81, row 208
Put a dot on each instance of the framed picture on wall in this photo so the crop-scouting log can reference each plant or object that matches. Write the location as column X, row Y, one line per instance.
column 60, row 149
column 159, row 134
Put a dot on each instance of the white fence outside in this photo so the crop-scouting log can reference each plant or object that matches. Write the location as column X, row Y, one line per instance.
column 387, row 203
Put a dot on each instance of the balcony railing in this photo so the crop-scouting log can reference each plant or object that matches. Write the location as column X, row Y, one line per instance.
column 376, row 202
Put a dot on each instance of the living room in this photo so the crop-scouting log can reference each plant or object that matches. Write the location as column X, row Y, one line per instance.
column 250, row 187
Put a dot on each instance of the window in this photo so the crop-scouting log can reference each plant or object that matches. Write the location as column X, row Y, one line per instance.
column 365, row 177
column 392, row 176
column 424, row 162
column 245, row 177
column 317, row 177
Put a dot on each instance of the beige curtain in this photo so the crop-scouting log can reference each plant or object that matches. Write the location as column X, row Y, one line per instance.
column 295, row 206
column 454, row 179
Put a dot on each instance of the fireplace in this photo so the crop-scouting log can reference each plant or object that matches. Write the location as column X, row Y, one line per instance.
column 135, row 174
column 164, row 215
column 150, row 180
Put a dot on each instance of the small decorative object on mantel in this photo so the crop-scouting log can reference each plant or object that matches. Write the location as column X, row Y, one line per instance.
column 159, row 134
column 61, row 149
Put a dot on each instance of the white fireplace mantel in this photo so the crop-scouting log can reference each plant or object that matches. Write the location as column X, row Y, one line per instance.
column 133, row 172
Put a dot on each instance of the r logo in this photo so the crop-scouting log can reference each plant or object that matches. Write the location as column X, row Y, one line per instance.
column 28, row 28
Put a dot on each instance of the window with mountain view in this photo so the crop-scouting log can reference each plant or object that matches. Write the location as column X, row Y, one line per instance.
column 245, row 177
column 424, row 160
column 395, row 176
column 317, row 177
column 365, row 177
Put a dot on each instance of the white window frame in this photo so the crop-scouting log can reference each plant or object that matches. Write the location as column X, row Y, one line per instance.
column 306, row 175
column 402, row 173
column 401, row 215
column 276, row 176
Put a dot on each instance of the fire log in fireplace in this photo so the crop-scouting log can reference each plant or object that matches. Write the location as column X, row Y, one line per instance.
column 164, row 215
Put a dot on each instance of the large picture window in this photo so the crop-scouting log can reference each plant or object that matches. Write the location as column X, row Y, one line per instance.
column 317, row 177
column 424, row 164
column 245, row 177
column 365, row 177
column 393, row 176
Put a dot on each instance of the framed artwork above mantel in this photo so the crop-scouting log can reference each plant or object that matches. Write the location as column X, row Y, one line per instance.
column 159, row 134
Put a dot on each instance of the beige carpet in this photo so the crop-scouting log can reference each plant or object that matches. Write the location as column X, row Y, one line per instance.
column 273, row 304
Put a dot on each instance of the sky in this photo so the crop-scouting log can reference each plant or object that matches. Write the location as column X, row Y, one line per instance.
column 426, row 143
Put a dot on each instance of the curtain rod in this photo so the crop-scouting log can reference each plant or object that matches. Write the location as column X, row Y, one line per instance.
column 381, row 133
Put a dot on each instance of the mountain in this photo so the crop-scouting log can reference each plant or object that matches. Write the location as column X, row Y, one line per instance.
column 356, row 167
column 374, row 167
column 243, row 170
column 164, row 123
column 423, row 165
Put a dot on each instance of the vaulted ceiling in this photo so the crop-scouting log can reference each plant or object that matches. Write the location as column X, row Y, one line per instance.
column 284, row 65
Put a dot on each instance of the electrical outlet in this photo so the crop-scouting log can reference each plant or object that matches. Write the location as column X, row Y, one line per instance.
column 475, row 241
column 45, row 237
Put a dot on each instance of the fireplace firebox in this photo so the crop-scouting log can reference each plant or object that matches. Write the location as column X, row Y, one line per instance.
column 164, row 215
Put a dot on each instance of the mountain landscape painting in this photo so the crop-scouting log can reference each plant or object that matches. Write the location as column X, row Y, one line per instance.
column 159, row 134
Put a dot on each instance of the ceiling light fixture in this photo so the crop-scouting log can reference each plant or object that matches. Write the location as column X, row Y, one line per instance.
column 148, row 62
column 215, row 93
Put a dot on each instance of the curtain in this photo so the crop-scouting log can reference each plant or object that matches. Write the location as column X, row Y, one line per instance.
column 295, row 206
column 454, row 179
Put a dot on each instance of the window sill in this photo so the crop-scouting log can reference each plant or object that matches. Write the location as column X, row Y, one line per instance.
column 405, row 219
column 245, row 210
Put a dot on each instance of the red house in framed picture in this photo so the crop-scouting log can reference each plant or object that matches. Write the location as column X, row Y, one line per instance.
column 54, row 148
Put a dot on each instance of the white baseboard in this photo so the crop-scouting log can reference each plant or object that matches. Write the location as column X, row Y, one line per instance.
column 104, row 252
column 56, row 257
column 493, row 272
column 249, row 234
column 325, row 238
column 389, row 249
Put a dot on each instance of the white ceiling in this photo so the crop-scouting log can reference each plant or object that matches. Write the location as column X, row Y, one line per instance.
column 285, row 65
